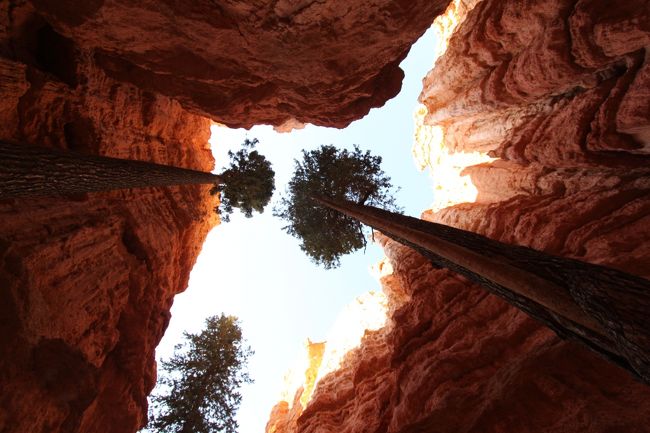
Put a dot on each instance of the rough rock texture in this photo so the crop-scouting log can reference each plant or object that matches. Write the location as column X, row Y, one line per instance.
column 559, row 94
column 556, row 90
column 86, row 282
column 456, row 359
column 245, row 63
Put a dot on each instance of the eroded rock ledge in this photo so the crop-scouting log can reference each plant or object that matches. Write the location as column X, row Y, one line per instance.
column 246, row 63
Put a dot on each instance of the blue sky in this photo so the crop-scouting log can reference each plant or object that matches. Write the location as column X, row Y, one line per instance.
column 252, row 269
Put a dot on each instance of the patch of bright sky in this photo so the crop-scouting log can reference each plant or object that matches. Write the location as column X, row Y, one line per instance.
column 252, row 269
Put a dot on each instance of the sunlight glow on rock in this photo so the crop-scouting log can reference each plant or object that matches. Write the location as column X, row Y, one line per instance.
column 366, row 313
column 446, row 167
column 429, row 149
column 446, row 24
column 300, row 379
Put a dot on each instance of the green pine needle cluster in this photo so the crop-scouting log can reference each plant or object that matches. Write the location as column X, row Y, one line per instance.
column 248, row 183
column 327, row 234
column 201, row 381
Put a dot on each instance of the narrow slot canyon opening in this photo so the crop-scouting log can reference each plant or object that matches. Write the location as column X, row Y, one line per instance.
column 295, row 315
column 287, row 302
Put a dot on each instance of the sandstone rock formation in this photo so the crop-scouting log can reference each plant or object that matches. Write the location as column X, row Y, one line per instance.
column 299, row 389
column 87, row 282
column 559, row 103
column 540, row 103
column 456, row 359
column 246, row 63
column 557, row 90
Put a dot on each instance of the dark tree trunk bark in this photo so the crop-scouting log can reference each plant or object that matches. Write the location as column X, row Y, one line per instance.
column 605, row 309
column 27, row 171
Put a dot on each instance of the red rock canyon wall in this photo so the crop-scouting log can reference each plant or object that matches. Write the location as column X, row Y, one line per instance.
column 453, row 358
column 87, row 282
column 557, row 92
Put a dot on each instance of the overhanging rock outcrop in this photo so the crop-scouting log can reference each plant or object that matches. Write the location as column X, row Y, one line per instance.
column 246, row 63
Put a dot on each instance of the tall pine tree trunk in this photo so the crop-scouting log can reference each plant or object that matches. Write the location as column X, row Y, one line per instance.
column 27, row 171
column 606, row 309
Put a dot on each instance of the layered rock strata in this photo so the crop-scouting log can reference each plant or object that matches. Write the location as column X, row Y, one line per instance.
column 280, row 62
column 86, row 282
column 455, row 359
column 554, row 91
column 539, row 105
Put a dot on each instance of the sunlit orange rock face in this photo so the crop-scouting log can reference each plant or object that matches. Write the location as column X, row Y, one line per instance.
column 558, row 91
column 285, row 414
column 86, row 282
column 551, row 93
column 455, row 359
column 250, row 62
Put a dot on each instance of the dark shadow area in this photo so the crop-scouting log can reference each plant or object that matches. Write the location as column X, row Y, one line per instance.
column 56, row 55
column 80, row 136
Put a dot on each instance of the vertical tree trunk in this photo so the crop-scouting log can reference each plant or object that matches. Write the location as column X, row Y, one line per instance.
column 33, row 171
column 606, row 309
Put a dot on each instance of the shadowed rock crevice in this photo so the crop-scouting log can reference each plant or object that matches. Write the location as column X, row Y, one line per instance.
column 80, row 136
column 65, row 374
column 134, row 246
column 56, row 54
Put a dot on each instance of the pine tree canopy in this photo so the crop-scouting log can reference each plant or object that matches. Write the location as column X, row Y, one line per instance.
column 355, row 176
column 200, row 381
column 248, row 183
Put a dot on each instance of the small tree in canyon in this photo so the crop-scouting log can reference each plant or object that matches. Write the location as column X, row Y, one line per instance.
column 28, row 171
column 200, row 382
column 333, row 193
